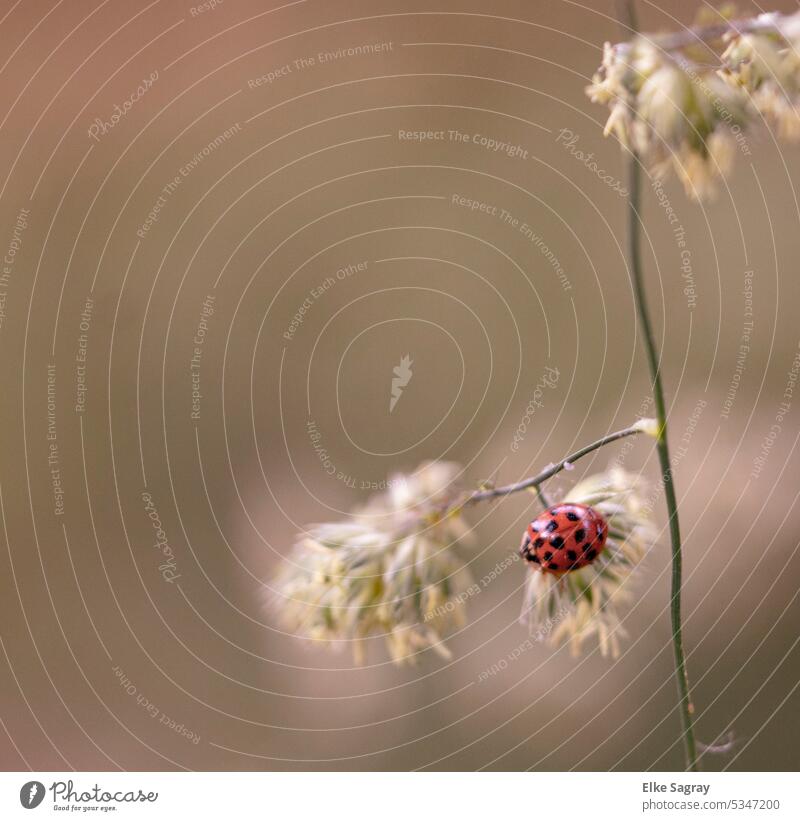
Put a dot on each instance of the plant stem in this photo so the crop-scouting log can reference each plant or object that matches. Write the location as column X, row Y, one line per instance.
column 635, row 265
column 542, row 496
column 708, row 34
column 534, row 481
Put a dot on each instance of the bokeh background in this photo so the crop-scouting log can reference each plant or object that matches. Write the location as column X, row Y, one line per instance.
column 112, row 658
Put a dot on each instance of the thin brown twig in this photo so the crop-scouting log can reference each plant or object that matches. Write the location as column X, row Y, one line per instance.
column 549, row 472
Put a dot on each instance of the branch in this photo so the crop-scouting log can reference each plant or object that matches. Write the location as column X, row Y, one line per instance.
column 673, row 41
column 642, row 426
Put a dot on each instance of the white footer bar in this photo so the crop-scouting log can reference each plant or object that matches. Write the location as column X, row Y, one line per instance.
column 401, row 796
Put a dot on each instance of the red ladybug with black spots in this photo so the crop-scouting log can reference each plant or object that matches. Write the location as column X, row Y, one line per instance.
column 565, row 537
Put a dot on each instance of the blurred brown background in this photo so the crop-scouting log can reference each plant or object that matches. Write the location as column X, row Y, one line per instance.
column 114, row 657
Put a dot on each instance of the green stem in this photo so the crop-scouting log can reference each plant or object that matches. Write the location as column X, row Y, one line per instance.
column 635, row 265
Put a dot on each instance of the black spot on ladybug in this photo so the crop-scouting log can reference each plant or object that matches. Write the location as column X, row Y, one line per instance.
column 547, row 555
column 534, row 558
column 552, row 566
column 580, row 534
column 551, row 525
column 572, row 555
column 539, row 542
column 591, row 555
column 556, row 541
column 573, row 517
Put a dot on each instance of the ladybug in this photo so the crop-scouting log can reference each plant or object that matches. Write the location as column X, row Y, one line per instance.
column 565, row 537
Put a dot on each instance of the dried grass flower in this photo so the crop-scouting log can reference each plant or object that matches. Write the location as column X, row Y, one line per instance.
column 673, row 115
column 686, row 113
column 767, row 69
column 391, row 570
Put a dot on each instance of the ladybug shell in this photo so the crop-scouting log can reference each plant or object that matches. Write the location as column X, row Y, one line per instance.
column 565, row 537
